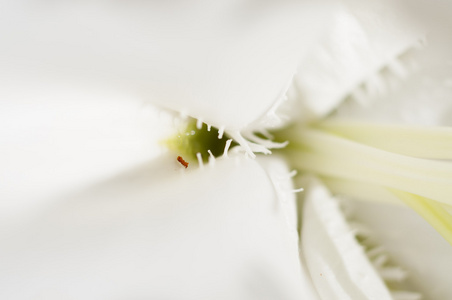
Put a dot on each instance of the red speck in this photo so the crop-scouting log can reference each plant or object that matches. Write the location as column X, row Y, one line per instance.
column 182, row 161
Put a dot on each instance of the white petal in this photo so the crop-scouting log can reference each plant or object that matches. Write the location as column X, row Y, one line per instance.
column 57, row 139
column 413, row 244
column 161, row 232
column 338, row 265
column 366, row 36
column 423, row 96
column 224, row 62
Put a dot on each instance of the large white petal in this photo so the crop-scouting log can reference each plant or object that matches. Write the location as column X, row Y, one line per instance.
column 225, row 62
column 162, row 232
column 56, row 139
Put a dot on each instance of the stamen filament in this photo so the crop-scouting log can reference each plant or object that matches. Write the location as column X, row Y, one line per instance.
column 329, row 155
column 360, row 190
column 417, row 141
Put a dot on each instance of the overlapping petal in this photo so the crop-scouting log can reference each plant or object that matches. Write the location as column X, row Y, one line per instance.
column 160, row 231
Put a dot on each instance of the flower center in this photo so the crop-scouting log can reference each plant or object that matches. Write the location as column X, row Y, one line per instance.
column 197, row 139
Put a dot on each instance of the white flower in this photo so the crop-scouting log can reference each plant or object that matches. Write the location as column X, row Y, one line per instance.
column 93, row 208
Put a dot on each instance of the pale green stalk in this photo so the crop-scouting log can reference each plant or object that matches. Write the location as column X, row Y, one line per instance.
column 417, row 141
column 325, row 154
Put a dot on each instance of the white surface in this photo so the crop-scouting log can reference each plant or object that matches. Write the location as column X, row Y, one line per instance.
column 424, row 96
column 57, row 138
column 337, row 263
column 225, row 62
column 160, row 232
column 365, row 37
column 412, row 244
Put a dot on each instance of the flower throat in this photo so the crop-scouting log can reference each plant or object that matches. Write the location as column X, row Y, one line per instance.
column 198, row 140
